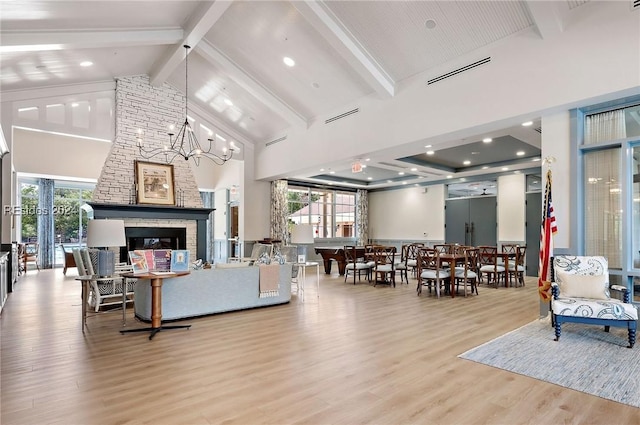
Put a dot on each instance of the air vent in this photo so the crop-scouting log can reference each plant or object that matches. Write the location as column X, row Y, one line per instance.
column 345, row 114
column 459, row 70
column 273, row 142
column 539, row 129
column 635, row 5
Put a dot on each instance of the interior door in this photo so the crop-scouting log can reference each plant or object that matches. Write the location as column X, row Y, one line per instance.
column 533, row 216
column 456, row 219
column 483, row 221
column 471, row 221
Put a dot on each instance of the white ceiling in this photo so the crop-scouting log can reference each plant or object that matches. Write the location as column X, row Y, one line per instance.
column 344, row 50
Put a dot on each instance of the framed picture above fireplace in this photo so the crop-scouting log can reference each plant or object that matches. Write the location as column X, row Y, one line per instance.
column 155, row 183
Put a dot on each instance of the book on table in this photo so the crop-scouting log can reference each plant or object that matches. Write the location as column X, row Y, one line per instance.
column 162, row 258
column 138, row 261
column 179, row 260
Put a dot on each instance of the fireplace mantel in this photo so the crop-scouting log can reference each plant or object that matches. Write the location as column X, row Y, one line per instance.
column 163, row 212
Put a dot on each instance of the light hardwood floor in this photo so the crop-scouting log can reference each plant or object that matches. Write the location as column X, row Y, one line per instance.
column 356, row 355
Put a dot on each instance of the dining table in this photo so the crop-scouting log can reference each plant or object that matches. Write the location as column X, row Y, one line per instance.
column 451, row 259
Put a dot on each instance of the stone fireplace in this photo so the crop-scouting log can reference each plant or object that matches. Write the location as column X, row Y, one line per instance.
column 186, row 226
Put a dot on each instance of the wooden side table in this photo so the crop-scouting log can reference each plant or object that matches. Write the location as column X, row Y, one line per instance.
column 156, row 302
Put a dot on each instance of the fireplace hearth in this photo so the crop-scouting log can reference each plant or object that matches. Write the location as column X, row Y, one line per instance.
column 167, row 214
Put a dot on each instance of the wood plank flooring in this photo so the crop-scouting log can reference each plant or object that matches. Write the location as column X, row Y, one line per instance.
column 357, row 355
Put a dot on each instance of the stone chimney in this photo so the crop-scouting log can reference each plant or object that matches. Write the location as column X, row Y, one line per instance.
column 139, row 105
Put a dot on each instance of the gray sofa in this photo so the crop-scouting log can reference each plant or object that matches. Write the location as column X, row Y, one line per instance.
column 211, row 291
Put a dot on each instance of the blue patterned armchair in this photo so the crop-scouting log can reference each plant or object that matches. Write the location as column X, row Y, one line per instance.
column 580, row 288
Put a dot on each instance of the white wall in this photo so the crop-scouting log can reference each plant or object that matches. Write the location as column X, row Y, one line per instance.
column 57, row 155
column 555, row 143
column 407, row 214
column 511, row 208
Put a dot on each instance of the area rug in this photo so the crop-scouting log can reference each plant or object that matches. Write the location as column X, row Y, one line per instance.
column 585, row 359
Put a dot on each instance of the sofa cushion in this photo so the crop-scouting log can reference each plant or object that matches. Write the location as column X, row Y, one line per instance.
column 582, row 307
column 584, row 286
column 233, row 265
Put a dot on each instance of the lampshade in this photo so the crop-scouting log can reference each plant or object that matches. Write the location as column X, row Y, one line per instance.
column 105, row 233
column 302, row 234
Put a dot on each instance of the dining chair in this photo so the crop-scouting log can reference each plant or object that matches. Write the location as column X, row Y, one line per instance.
column 516, row 268
column 509, row 249
column 385, row 265
column 430, row 271
column 355, row 264
column 401, row 263
column 29, row 255
column 488, row 260
column 412, row 257
column 467, row 273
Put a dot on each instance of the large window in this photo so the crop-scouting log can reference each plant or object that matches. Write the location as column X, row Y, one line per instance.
column 610, row 158
column 28, row 212
column 331, row 212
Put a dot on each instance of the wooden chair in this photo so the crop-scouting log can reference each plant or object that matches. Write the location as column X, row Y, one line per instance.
column 488, row 261
column 401, row 264
column 516, row 268
column 430, row 271
column 467, row 273
column 412, row 257
column 355, row 263
column 29, row 255
column 385, row 266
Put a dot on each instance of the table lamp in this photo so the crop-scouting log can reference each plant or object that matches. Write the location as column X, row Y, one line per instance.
column 104, row 234
column 302, row 234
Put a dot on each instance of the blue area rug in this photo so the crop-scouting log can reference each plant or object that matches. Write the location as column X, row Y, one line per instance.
column 585, row 359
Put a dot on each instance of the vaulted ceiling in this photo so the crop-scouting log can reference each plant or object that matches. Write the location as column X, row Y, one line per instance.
column 343, row 51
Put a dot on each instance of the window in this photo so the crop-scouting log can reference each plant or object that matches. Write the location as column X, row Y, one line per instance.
column 28, row 212
column 332, row 213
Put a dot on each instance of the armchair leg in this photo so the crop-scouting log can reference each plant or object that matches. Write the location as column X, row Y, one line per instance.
column 606, row 328
column 632, row 338
column 558, row 330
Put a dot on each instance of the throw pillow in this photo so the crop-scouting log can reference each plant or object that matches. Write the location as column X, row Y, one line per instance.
column 584, row 286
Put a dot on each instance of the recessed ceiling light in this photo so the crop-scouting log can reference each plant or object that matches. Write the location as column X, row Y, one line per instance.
column 369, row 178
column 74, row 105
column 322, row 169
column 332, row 172
column 430, row 24
column 485, row 167
column 487, row 140
column 86, row 63
column 467, row 162
column 368, row 159
column 389, row 181
column 428, row 146
column 414, row 169
column 449, row 176
column 364, row 166
column 401, row 173
column 288, row 61
column 527, row 124
column 520, row 153
column 404, row 182
column 505, row 168
column 416, row 185
column 430, row 152
column 228, row 102
column 536, row 159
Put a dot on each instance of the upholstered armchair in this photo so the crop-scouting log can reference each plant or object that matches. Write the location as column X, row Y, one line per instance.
column 580, row 288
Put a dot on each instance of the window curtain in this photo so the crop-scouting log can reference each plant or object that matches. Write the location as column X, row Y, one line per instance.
column 46, row 240
column 604, row 127
column 279, row 211
column 603, row 206
column 207, row 202
column 362, row 216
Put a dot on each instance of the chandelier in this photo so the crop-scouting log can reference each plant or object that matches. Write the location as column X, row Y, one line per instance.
column 184, row 143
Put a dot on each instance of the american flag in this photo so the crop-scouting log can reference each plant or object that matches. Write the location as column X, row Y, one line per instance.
column 549, row 229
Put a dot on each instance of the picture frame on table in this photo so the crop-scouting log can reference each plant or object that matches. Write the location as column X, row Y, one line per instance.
column 155, row 183
column 179, row 260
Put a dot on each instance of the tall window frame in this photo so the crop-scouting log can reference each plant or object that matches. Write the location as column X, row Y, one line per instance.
column 332, row 212
column 609, row 158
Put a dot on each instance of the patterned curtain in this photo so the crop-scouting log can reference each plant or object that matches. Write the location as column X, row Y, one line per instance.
column 279, row 211
column 46, row 241
column 362, row 216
